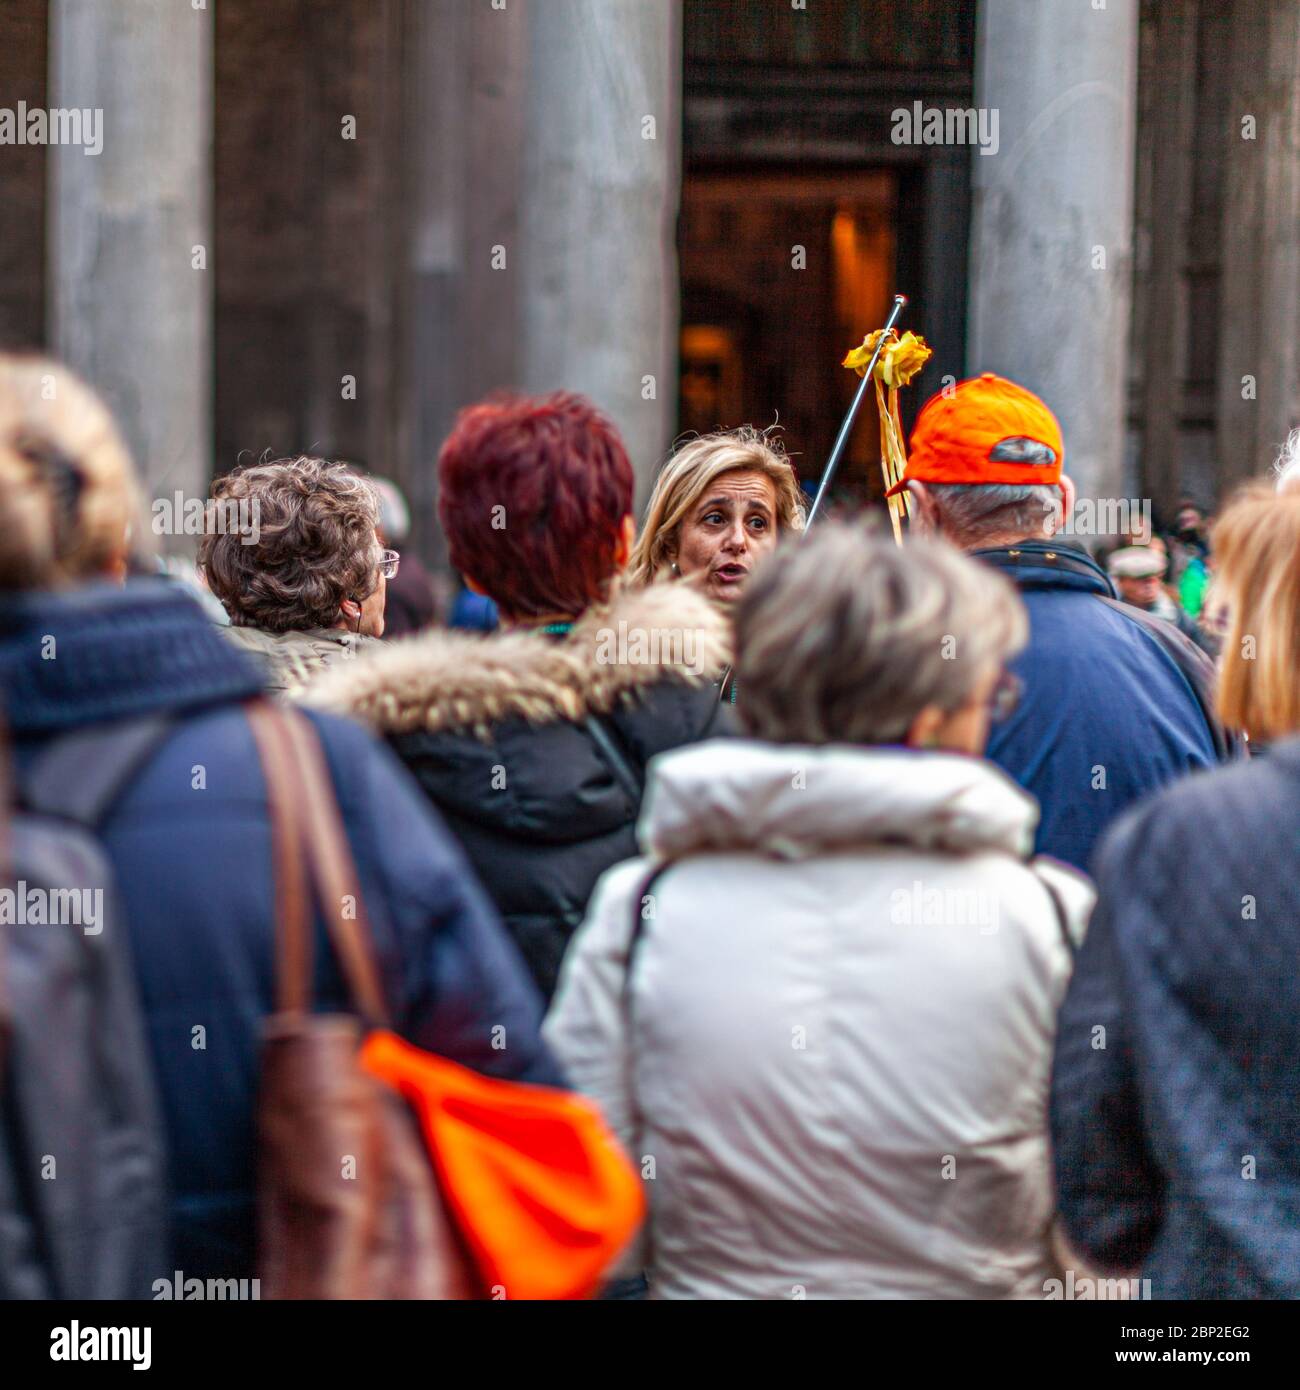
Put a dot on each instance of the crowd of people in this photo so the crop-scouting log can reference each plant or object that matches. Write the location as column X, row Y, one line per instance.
column 919, row 919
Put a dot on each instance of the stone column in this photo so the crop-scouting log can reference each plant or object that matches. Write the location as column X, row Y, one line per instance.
column 597, row 250
column 1051, row 235
column 1171, row 160
column 1255, row 339
column 463, row 98
column 130, row 249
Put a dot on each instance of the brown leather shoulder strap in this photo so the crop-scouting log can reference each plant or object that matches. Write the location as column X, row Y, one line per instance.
column 293, row 925
column 338, row 885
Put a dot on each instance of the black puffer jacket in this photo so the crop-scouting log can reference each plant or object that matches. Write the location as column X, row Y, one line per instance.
column 498, row 729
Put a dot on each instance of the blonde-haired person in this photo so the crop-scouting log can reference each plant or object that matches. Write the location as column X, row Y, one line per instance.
column 187, row 833
column 823, row 1002
column 66, row 483
column 718, row 506
column 1189, row 976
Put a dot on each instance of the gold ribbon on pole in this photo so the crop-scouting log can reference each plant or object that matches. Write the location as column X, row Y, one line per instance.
column 899, row 361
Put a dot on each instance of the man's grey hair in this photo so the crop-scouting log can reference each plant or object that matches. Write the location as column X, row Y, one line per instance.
column 1286, row 471
column 971, row 512
column 845, row 637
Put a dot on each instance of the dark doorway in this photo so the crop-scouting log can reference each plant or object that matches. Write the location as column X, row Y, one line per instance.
column 787, row 144
column 783, row 272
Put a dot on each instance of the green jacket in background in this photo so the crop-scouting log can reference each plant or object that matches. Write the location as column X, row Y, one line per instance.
column 1192, row 587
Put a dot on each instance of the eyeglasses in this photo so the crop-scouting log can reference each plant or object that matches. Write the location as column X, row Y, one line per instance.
column 388, row 563
column 1005, row 699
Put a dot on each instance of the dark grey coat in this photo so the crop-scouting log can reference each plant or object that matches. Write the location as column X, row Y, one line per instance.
column 1176, row 1128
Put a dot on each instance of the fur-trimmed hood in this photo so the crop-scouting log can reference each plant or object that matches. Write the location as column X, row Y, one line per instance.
column 454, row 681
column 528, row 744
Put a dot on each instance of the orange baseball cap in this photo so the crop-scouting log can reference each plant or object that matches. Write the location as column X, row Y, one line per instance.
column 985, row 430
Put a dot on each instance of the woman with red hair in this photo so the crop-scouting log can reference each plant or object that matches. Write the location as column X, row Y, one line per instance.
column 533, row 742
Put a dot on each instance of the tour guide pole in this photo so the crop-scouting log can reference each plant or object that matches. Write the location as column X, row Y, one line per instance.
column 840, row 441
column 846, row 429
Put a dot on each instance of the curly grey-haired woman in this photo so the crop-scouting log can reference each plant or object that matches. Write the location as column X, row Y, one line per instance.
column 292, row 552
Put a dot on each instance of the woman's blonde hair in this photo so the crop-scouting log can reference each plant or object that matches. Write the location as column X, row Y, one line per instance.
column 67, row 488
column 685, row 478
column 1256, row 545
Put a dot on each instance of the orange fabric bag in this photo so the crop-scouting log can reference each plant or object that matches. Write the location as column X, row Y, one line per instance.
column 537, row 1185
column 533, row 1198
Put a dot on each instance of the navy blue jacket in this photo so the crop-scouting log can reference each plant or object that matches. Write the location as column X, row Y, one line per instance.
column 1176, row 1082
column 1106, row 716
column 189, row 843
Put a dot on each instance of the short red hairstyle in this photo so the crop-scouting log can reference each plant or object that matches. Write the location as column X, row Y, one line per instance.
column 532, row 492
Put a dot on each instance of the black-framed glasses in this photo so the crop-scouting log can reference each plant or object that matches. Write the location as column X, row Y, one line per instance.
column 388, row 563
column 1005, row 699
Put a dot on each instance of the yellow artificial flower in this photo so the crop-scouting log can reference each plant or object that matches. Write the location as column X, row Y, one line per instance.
column 858, row 357
column 899, row 362
column 903, row 359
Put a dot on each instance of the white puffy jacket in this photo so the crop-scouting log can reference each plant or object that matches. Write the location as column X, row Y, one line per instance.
column 832, row 1063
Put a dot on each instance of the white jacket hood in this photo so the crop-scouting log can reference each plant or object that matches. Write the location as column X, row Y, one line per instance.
column 794, row 802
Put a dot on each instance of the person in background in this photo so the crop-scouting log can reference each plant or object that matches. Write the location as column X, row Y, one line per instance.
column 189, row 836
column 1138, row 572
column 1189, row 553
column 533, row 742
column 1174, row 1135
column 1194, row 586
column 304, row 579
column 1111, row 711
column 411, row 600
column 180, row 570
column 718, row 506
column 1286, row 471
column 1141, row 536
column 473, row 612
column 822, row 1003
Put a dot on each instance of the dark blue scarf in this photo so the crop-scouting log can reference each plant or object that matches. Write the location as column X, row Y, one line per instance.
column 106, row 652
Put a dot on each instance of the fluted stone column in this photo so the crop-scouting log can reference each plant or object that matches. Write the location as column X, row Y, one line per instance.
column 597, row 254
column 1256, row 338
column 1052, row 218
column 129, row 305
